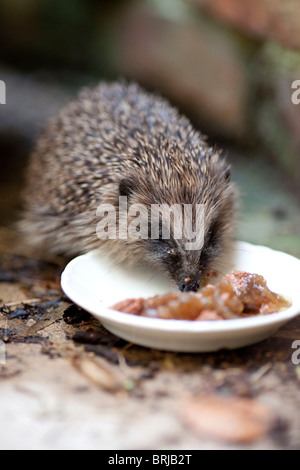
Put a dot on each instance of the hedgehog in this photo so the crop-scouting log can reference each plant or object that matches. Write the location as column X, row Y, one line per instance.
column 117, row 140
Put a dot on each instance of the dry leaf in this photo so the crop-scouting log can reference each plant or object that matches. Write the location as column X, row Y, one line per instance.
column 52, row 315
column 232, row 420
column 95, row 371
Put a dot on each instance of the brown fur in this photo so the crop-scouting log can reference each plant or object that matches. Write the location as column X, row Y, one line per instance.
column 112, row 133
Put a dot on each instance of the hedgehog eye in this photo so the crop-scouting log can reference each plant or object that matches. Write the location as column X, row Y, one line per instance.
column 172, row 257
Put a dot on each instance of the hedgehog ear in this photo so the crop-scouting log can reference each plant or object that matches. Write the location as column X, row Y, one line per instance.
column 127, row 187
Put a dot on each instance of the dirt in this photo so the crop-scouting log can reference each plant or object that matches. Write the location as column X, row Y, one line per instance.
column 67, row 383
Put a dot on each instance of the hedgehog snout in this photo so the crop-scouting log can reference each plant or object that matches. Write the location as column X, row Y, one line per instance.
column 188, row 285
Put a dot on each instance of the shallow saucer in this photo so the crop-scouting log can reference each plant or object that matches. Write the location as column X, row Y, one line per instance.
column 93, row 282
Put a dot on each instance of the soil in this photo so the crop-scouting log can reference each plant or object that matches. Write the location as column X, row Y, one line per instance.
column 66, row 383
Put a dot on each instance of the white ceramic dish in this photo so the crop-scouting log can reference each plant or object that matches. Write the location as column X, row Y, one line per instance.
column 92, row 282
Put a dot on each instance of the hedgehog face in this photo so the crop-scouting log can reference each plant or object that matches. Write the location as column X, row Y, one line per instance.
column 187, row 267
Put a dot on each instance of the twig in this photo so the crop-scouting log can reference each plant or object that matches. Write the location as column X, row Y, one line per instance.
column 261, row 372
column 19, row 302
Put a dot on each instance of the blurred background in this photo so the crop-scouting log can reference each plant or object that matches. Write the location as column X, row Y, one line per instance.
column 228, row 65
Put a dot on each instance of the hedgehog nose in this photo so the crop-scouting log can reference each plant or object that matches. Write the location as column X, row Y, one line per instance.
column 187, row 285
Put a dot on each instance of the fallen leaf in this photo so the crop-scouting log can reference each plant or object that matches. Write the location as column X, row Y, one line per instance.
column 227, row 419
column 96, row 372
column 54, row 313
